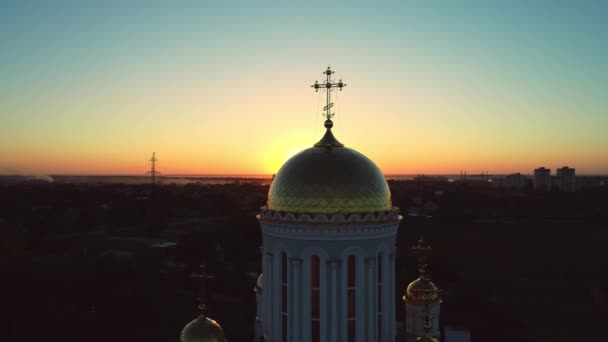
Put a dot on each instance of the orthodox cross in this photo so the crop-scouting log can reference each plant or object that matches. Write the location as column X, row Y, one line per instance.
column 329, row 85
column 202, row 276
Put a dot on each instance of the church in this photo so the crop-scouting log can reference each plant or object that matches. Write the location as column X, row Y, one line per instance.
column 329, row 231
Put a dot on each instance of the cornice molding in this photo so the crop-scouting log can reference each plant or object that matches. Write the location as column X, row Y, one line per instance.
column 331, row 220
column 307, row 231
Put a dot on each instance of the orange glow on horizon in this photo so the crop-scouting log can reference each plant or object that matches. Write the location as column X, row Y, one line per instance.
column 487, row 90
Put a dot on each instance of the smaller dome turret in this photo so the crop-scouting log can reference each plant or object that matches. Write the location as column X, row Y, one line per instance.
column 426, row 338
column 202, row 329
column 422, row 291
column 423, row 300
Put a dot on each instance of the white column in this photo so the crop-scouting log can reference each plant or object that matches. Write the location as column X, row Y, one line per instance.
column 342, row 292
column 268, row 289
column 260, row 297
column 417, row 314
column 392, row 300
column 266, row 273
column 361, row 297
column 333, row 272
column 386, row 298
column 306, row 309
column 372, row 317
column 435, row 310
column 290, row 299
column 295, row 299
column 324, row 305
column 276, row 294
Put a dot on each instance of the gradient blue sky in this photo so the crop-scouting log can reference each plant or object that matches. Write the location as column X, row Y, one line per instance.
column 223, row 87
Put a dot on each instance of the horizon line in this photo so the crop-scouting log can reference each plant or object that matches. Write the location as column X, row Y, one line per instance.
column 262, row 175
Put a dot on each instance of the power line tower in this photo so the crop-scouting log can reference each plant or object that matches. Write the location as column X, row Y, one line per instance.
column 153, row 172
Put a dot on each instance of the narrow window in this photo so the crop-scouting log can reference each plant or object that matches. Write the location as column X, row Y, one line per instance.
column 284, row 296
column 351, row 292
column 315, row 298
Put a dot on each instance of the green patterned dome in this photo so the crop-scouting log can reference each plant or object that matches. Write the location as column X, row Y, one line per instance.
column 329, row 179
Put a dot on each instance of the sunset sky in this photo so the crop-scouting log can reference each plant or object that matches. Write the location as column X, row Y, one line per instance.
column 94, row 87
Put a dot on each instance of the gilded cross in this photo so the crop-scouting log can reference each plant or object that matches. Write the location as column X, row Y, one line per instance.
column 329, row 86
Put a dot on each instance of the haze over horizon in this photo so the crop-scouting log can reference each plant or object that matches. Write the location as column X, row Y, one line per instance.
column 95, row 88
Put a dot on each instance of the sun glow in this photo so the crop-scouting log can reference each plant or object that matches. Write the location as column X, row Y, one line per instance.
column 280, row 153
column 91, row 94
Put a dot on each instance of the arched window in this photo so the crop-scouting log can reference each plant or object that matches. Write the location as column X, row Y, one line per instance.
column 284, row 296
column 315, row 298
column 351, row 293
column 380, row 296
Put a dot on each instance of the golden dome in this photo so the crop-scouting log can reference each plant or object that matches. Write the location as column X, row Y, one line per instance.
column 258, row 284
column 421, row 291
column 202, row 329
column 329, row 179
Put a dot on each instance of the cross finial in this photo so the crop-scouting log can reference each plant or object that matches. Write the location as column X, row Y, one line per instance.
column 329, row 86
column 422, row 251
column 202, row 276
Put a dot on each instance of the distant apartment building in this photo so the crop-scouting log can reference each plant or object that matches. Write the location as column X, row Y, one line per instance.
column 516, row 180
column 512, row 181
column 566, row 179
column 542, row 179
column 589, row 182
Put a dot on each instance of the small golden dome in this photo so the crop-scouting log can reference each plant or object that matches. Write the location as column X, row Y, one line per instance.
column 421, row 291
column 258, row 284
column 426, row 338
column 202, row 329
column 329, row 180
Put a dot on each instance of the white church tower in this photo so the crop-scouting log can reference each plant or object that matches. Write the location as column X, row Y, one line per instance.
column 329, row 232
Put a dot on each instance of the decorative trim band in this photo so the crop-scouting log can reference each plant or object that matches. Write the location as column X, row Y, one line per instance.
column 336, row 219
column 308, row 231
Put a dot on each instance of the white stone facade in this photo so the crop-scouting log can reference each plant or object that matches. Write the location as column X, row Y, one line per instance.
column 328, row 278
column 414, row 320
